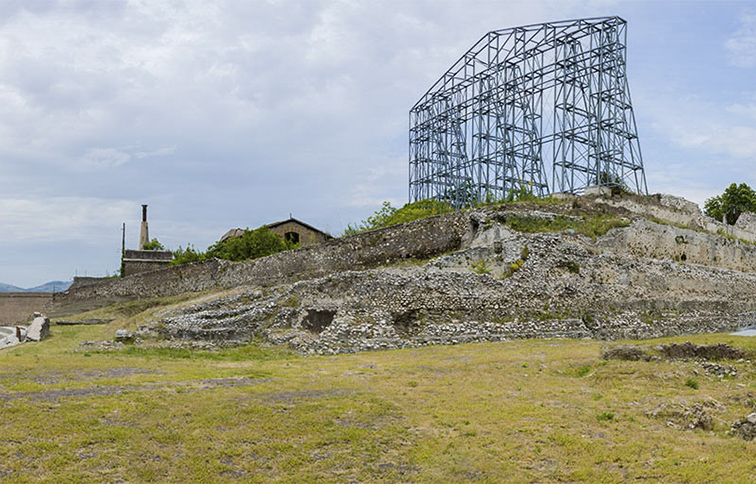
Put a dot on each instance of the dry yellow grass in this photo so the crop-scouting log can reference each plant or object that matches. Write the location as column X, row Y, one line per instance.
column 542, row 411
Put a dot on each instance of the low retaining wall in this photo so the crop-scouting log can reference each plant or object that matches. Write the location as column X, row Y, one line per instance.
column 18, row 307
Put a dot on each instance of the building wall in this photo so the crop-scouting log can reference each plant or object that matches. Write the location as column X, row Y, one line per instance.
column 18, row 307
column 131, row 267
column 157, row 255
column 306, row 236
column 136, row 261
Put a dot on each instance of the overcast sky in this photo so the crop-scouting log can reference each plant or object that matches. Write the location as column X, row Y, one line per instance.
column 222, row 114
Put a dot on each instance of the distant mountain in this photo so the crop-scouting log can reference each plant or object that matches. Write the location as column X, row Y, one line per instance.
column 52, row 286
column 9, row 288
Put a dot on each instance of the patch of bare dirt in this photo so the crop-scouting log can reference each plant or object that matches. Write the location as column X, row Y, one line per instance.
column 627, row 353
column 109, row 390
column 689, row 350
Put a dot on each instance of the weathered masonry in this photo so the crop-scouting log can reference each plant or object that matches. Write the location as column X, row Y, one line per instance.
column 298, row 232
column 292, row 230
column 136, row 261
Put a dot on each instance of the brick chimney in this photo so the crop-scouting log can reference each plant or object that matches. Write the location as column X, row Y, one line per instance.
column 144, row 235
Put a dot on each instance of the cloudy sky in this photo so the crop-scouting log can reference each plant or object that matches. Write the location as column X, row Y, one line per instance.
column 223, row 114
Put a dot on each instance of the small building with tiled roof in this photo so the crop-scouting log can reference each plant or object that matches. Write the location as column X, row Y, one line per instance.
column 291, row 229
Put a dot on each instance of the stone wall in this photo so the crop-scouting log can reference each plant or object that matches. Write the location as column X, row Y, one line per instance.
column 427, row 238
column 676, row 210
column 680, row 211
column 136, row 261
column 420, row 239
column 18, row 307
column 747, row 221
column 80, row 281
column 568, row 286
column 164, row 282
column 666, row 242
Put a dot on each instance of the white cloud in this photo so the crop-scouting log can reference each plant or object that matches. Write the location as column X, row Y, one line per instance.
column 58, row 219
column 741, row 46
column 694, row 123
column 101, row 158
column 252, row 109
column 162, row 151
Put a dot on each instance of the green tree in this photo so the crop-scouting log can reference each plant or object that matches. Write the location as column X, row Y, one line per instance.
column 153, row 244
column 735, row 200
column 185, row 256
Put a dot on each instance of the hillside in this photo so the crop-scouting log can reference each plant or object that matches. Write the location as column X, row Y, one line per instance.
column 636, row 267
column 216, row 388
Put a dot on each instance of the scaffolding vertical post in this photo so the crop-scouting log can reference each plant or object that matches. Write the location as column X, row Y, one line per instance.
column 543, row 108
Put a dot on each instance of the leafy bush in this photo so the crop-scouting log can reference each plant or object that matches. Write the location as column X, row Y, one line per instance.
column 252, row 244
column 615, row 183
column 185, row 256
column 690, row 382
column 153, row 244
column 388, row 215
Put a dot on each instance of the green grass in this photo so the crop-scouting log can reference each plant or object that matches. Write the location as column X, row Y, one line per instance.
column 544, row 411
column 692, row 383
column 591, row 226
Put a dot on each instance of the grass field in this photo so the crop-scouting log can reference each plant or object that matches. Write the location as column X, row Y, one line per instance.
column 540, row 411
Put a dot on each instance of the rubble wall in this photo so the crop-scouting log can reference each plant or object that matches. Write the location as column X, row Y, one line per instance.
column 420, row 239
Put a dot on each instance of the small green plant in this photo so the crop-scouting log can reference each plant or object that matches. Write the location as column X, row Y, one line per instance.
column 582, row 371
column 517, row 265
column 692, row 383
column 481, row 267
column 570, row 266
column 605, row 417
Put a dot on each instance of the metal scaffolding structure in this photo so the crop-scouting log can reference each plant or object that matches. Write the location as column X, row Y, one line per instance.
column 543, row 108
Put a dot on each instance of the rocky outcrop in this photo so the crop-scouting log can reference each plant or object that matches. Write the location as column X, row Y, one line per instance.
column 501, row 284
column 745, row 428
column 39, row 328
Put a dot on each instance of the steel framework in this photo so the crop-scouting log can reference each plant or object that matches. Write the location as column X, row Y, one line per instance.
column 555, row 91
